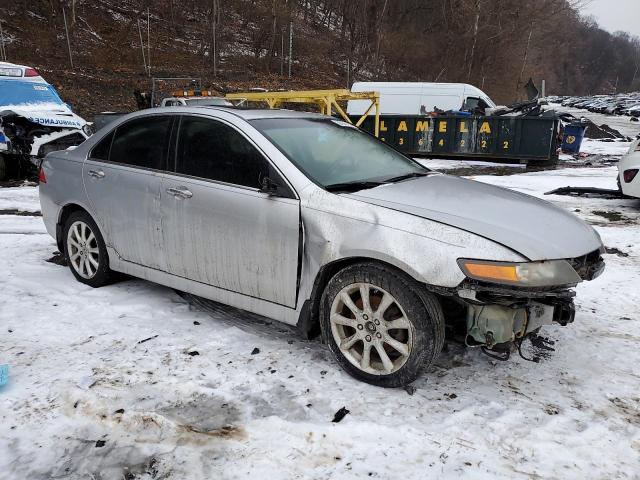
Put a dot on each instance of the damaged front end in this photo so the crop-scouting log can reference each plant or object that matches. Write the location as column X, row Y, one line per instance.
column 498, row 315
column 498, row 318
column 24, row 142
column 34, row 121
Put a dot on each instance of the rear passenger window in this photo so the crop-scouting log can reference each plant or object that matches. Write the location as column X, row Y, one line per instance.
column 101, row 150
column 142, row 142
column 210, row 149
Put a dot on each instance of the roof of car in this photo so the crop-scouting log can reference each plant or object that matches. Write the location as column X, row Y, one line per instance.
column 246, row 114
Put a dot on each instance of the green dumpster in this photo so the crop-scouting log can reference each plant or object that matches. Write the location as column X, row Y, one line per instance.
column 474, row 137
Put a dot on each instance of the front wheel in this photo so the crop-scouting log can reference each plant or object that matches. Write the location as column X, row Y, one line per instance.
column 380, row 325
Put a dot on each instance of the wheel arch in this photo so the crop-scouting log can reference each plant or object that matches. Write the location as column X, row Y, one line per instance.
column 309, row 319
column 64, row 214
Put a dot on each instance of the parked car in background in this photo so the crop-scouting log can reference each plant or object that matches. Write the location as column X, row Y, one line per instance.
column 189, row 98
column 196, row 102
column 34, row 121
column 628, row 168
column 308, row 220
column 633, row 110
column 621, row 104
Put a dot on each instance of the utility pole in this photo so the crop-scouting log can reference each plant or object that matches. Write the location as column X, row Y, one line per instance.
column 3, row 51
column 349, row 72
column 64, row 16
column 290, row 45
column 144, row 59
column 149, row 41
column 214, row 35
column 282, row 52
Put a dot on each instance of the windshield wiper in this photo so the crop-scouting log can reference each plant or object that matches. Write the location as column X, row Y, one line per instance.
column 351, row 186
column 407, row 177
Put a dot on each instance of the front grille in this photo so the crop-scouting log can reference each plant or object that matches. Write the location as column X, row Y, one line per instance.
column 588, row 266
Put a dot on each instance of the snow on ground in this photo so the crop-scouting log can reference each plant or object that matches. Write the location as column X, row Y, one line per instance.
column 595, row 147
column 442, row 164
column 21, row 199
column 106, row 383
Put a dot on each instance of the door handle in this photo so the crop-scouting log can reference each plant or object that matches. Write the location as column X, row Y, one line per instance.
column 96, row 173
column 180, row 192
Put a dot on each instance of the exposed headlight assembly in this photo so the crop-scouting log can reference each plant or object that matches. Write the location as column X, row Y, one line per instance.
column 526, row 274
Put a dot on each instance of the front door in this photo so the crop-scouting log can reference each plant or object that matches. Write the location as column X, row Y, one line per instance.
column 218, row 228
column 122, row 178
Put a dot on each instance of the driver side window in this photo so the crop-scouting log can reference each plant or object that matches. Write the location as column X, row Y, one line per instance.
column 215, row 151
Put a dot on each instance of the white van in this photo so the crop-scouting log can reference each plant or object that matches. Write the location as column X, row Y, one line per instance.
column 418, row 98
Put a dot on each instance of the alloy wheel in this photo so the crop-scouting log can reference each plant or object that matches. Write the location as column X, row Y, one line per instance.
column 82, row 248
column 371, row 328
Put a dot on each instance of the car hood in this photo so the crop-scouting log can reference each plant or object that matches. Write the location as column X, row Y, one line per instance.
column 532, row 227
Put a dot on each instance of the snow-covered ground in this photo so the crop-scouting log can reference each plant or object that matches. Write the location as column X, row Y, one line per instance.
column 443, row 164
column 106, row 383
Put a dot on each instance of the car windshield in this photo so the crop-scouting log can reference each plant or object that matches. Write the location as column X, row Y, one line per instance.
column 15, row 92
column 335, row 154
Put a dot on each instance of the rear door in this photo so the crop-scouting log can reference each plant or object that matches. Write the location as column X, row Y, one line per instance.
column 122, row 178
column 218, row 227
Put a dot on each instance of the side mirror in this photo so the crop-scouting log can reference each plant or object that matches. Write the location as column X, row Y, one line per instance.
column 268, row 186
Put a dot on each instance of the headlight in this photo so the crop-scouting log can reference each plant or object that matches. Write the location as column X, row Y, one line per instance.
column 526, row 274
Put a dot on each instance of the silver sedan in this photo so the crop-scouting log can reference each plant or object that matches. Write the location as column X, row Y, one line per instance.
column 307, row 220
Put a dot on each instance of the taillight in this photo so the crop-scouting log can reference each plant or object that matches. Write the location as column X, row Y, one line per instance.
column 42, row 178
column 629, row 175
column 31, row 72
column 638, row 147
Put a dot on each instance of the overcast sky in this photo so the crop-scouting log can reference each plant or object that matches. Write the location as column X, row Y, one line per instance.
column 615, row 15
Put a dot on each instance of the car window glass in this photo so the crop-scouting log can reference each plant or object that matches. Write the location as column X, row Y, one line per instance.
column 101, row 150
column 471, row 103
column 142, row 142
column 332, row 152
column 210, row 149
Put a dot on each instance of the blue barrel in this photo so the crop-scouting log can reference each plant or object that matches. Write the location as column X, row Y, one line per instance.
column 572, row 137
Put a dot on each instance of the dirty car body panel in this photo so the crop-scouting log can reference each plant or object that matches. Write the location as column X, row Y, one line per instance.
column 269, row 252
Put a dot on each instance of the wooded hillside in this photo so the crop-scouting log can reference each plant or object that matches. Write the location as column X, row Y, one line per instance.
column 494, row 44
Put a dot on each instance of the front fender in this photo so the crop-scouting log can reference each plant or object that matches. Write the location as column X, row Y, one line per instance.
column 424, row 249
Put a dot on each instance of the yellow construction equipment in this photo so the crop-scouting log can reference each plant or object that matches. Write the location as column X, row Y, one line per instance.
column 326, row 100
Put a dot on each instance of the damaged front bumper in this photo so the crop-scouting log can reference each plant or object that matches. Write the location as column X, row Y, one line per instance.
column 496, row 316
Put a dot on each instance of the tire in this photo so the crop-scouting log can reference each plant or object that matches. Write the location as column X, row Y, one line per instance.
column 409, row 330
column 85, row 250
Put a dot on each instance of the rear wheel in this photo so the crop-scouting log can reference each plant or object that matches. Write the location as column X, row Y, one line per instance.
column 85, row 250
column 381, row 326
